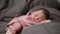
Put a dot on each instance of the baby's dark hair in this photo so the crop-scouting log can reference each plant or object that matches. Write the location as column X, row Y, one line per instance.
column 46, row 12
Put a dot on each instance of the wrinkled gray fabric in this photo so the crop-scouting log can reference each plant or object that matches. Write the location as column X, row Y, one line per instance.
column 3, row 27
column 14, row 8
column 45, row 28
column 49, row 3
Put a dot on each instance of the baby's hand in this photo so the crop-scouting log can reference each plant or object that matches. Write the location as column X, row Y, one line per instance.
column 9, row 31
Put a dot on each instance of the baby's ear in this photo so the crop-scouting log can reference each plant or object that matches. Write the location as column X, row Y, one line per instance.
column 29, row 13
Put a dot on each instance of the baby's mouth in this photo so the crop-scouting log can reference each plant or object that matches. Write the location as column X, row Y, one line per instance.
column 36, row 20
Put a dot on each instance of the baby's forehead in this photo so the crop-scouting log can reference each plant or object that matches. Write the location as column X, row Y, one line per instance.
column 39, row 11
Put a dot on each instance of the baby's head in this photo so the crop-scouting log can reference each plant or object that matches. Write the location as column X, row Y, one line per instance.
column 38, row 15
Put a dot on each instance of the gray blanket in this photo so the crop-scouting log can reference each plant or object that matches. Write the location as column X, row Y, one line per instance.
column 46, row 28
column 3, row 27
column 14, row 8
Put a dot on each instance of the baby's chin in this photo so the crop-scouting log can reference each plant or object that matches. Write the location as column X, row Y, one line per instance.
column 37, row 21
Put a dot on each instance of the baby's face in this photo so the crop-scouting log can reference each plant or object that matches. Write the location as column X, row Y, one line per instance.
column 38, row 16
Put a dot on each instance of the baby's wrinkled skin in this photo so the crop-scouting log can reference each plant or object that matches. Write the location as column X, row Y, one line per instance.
column 15, row 25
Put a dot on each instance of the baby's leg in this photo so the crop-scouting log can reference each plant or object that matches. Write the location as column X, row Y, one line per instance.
column 14, row 28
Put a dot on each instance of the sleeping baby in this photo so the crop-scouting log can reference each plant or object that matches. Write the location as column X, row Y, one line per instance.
column 33, row 17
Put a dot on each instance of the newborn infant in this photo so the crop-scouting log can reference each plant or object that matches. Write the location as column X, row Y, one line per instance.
column 16, row 25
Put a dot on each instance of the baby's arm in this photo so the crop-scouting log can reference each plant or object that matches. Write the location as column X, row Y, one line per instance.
column 13, row 28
